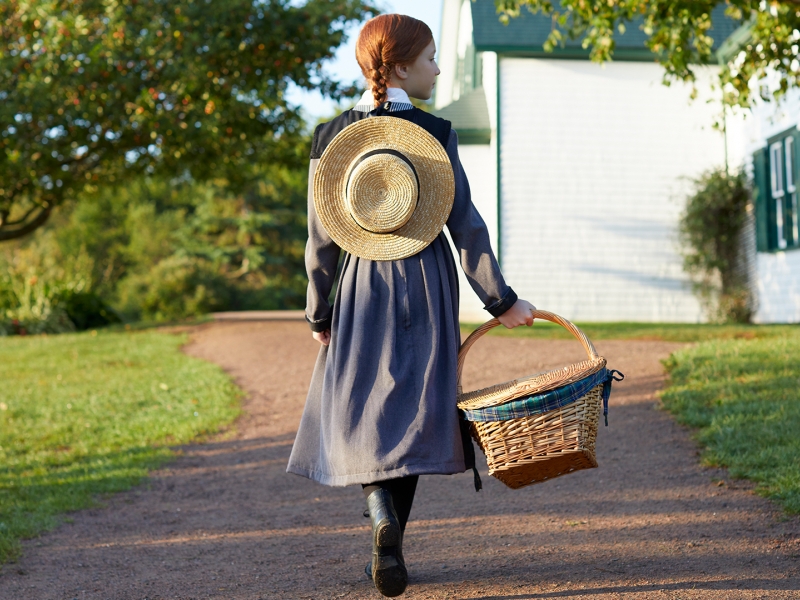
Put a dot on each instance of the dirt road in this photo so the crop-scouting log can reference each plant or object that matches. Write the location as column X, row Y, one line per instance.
column 225, row 521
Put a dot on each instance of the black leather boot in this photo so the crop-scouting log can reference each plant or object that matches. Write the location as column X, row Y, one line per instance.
column 388, row 568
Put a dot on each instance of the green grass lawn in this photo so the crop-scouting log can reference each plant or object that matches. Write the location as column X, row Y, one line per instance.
column 743, row 396
column 86, row 414
column 667, row 332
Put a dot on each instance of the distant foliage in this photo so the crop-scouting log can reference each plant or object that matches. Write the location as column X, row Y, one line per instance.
column 98, row 92
column 160, row 250
column 711, row 237
column 175, row 287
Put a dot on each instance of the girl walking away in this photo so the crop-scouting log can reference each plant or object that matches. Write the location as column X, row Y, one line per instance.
column 384, row 181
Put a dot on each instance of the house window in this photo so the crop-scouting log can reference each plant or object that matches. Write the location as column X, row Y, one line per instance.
column 776, row 178
column 778, row 211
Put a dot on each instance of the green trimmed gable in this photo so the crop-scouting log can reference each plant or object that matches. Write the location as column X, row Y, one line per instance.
column 470, row 117
column 526, row 34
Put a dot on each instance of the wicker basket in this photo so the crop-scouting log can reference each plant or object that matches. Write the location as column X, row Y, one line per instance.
column 532, row 449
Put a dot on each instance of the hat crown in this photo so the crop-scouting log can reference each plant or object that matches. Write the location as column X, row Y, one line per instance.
column 382, row 191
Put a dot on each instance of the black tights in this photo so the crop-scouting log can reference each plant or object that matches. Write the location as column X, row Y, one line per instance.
column 402, row 490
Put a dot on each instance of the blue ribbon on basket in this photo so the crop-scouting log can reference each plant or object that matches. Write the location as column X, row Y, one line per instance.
column 547, row 401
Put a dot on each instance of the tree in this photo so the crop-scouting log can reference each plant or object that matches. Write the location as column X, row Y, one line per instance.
column 97, row 92
column 678, row 30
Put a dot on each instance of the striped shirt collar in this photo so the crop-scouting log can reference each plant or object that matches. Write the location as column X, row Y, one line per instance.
column 397, row 96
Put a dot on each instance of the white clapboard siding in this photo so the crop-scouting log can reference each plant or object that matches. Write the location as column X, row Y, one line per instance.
column 447, row 55
column 778, row 285
column 479, row 162
column 593, row 167
column 771, row 118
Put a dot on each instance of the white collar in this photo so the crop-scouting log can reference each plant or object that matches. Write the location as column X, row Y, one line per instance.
column 393, row 95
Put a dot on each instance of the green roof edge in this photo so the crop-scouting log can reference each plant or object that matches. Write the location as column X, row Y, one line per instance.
column 474, row 136
column 734, row 42
column 568, row 53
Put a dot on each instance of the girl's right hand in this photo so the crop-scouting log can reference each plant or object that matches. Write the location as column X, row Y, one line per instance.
column 519, row 314
column 323, row 337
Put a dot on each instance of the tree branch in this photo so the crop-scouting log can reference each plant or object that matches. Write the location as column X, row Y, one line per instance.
column 22, row 219
column 17, row 230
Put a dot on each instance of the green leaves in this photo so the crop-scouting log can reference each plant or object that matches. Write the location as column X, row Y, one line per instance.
column 94, row 92
column 768, row 41
column 769, row 46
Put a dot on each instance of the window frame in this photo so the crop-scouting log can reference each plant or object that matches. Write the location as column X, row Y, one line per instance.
column 777, row 192
column 777, row 183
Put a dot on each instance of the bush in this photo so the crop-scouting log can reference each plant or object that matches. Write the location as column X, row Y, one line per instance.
column 32, row 305
column 34, row 283
column 35, row 308
column 88, row 311
column 176, row 287
column 711, row 237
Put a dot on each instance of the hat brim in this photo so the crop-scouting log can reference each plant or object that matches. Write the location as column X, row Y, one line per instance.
column 436, row 187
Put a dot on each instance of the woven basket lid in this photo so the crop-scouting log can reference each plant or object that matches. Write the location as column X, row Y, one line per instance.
column 384, row 188
column 532, row 384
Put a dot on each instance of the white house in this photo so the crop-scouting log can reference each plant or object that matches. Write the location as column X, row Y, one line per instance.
column 580, row 170
column 772, row 142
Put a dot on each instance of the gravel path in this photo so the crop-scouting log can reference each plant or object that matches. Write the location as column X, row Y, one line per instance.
column 225, row 521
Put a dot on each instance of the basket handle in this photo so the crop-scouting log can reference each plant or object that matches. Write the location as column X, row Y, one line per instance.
column 537, row 314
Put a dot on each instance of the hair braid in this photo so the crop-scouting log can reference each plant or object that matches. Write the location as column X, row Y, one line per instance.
column 378, row 84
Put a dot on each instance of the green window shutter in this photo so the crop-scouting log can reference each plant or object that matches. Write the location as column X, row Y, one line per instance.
column 793, row 204
column 761, row 196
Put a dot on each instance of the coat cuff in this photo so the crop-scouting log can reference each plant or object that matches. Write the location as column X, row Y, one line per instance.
column 498, row 308
column 319, row 326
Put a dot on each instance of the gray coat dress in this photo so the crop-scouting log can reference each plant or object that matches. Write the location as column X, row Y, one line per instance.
column 382, row 399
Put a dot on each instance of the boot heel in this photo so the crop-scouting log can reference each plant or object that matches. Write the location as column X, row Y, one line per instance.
column 389, row 576
column 387, row 534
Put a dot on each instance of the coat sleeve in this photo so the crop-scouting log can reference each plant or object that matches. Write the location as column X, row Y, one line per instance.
column 471, row 239
column 322, row 259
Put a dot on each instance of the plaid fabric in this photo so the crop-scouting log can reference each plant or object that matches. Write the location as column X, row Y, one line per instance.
column 541, row 403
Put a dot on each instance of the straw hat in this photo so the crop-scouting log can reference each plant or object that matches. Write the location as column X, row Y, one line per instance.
column 384, row 188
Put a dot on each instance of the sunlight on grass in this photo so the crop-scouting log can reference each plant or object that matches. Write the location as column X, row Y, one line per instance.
column 667, row 332
column 85, row 414
column 744, row 397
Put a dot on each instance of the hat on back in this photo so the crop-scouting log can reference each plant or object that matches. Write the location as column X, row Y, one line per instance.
column 384, row 188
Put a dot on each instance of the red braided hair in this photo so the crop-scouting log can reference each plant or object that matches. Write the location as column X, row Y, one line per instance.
column 385, row 42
